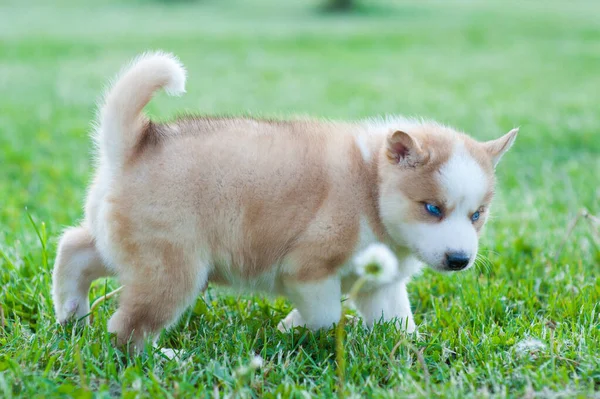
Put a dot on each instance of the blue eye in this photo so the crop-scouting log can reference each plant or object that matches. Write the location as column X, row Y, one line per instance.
column 475, row 216
column 433, row 210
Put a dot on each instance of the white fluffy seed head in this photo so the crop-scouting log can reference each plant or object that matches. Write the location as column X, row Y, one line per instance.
column 256, row 362
column 243, row 372
column 376, row 263
column 529, row 347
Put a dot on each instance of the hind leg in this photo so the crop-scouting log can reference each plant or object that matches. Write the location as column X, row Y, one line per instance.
column 157, row 289
column 77, row 265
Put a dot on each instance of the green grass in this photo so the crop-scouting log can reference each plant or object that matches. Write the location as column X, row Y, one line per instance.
column 484, row 67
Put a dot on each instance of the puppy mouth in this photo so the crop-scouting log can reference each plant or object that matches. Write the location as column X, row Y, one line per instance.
column 442, row 268
column 437, row 266
column 445, row 265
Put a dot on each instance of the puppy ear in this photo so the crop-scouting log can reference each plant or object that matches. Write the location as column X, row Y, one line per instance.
column 403, row 149
column 497, row 148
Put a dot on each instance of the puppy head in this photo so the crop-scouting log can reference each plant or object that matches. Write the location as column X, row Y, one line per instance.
column 436, row 186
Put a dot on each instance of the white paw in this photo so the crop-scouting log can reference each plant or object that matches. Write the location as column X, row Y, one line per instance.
column 74, row 307
column 294, row 319
column 170, row 353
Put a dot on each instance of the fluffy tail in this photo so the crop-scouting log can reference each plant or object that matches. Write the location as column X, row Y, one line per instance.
column 121, row 121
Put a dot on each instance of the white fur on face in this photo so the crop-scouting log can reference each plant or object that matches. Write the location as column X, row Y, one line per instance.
column 433, row 241
column 464, row 185
column 463, row 181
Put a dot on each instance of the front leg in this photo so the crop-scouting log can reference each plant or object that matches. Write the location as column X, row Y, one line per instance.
column 385, row 303
column 318, row 304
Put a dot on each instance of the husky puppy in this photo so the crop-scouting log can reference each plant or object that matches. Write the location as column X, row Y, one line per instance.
column 274, row 206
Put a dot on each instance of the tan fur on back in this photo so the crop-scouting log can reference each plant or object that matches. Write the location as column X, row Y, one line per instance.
column 247, row 193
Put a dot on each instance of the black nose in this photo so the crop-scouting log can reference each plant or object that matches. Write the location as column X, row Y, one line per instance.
column 457, row 260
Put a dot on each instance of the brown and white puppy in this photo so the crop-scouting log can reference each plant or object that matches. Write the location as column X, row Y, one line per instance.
column 275, row 206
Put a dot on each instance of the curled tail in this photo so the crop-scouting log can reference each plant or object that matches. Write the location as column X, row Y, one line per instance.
column 121, row 120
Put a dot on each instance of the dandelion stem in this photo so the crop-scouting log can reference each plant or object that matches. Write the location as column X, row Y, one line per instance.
column 340, row 352
column 103, row 298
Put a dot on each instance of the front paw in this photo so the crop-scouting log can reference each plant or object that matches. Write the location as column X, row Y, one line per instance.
column 73, row 307
column 293, row 319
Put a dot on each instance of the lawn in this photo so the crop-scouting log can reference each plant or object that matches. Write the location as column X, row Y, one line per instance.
column 525, row 323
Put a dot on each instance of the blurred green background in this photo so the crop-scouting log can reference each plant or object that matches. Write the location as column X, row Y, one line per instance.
column 483, row 67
